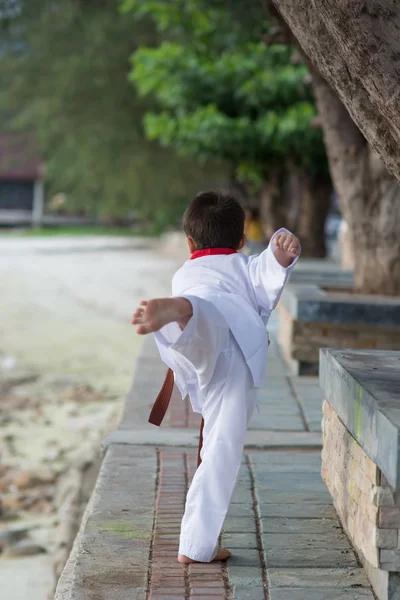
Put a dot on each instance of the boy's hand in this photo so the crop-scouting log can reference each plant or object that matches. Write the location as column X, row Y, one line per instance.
column 287, row 248
column 289, row 243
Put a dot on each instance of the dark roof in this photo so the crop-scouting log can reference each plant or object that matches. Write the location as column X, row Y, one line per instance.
column 19, row 157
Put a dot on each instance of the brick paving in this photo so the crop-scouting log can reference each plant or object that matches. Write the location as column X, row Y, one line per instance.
column 170, row 580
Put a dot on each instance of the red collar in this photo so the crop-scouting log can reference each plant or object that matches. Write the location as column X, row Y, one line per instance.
column 211, row 251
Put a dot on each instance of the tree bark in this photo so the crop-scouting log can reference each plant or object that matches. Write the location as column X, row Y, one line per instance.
column 355, row 45
column 314, row 204
column 369, row 196
column 274, row 206
column 300, row 202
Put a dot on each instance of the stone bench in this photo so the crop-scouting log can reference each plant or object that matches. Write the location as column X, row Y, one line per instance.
column 361, row 456
column 313, row 316
column 323, row 273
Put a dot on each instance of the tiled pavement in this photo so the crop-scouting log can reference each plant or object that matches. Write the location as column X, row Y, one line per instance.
column 286, row 539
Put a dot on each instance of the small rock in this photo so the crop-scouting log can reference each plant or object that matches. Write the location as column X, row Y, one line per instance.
column 23, row 548
column 29, row 479
column 9, row 537
column 4, row 485
column 52, row 455
column 12, row 502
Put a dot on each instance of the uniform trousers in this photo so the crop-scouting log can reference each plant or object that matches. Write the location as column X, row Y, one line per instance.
column 226, row 399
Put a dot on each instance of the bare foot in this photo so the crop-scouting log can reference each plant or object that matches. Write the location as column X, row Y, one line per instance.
column 154, row 314
column 222, row 554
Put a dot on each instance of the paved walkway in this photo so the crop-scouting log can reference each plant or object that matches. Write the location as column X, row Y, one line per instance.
column 286, row 539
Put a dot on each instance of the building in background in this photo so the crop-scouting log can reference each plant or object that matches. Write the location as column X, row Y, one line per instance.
column 21, row 180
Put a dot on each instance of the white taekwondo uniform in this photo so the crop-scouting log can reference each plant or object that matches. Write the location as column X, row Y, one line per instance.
column 219, row 359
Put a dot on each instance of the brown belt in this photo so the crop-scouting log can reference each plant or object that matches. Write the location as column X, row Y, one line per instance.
column 161, row 404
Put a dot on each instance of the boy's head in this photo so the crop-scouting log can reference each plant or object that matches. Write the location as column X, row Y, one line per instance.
column 214, row 219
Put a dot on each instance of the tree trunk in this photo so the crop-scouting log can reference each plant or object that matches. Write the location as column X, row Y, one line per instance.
column 355, row 46
column 300, row 202
column 314, row 202
column 273, row 205
column 369, row 196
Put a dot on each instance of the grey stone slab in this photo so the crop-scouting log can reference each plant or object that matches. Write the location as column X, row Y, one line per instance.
column 363, row 387
column 321, row 272
column 310, row 578
column 309, row 303
column 240, row 540
column 310, row 557
column 301, row 482
column 283, row 439
column 321, row 594
column 246, row 559
column 297, row 461
column 273, row 396
column 293, row 497
column 298, row 511
column 250, row 577
column 284, row 412
column 243, row 592
column 245, row 484
column 244, row 575
column 240, row 525
column 278, row 423
column 279, row 525
column 298, row 541
column 284, row 406
column 274, row 391
column 241, row 510
column 242, row 496
column 310, row 464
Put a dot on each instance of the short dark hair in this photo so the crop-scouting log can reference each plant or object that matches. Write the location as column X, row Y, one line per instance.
column 214, row 219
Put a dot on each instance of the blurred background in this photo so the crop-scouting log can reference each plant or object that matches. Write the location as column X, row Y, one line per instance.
column 112, row 116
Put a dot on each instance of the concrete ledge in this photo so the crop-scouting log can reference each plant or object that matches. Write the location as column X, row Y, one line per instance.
column 311, row 318
column 363, row 387
column 111, row 552
column 310, row 303
column 360, row 456
column 322, row 273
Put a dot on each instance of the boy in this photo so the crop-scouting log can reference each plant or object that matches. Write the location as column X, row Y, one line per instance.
column 212, row 334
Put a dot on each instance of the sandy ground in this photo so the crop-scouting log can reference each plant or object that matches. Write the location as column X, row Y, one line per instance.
column 68, row 349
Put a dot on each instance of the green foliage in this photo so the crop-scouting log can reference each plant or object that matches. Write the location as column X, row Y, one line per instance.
column 223, row 94
column 199, row 22
column 64, row 69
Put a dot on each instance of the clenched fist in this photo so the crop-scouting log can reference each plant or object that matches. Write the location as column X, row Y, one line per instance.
column 287, row 248
column 289, row 243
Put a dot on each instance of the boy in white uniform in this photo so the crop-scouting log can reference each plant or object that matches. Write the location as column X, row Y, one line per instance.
column 212, row 334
